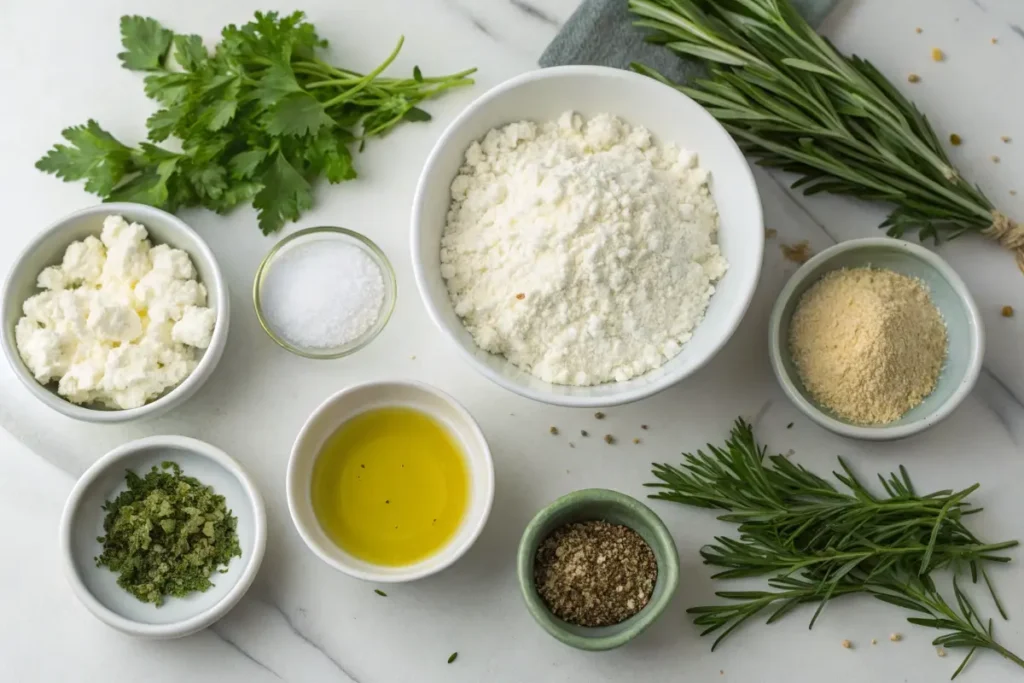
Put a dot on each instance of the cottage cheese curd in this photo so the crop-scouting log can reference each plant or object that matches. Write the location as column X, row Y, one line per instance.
column 119, row 320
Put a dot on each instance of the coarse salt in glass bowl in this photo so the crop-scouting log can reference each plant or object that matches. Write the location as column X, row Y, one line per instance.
column 264, row 283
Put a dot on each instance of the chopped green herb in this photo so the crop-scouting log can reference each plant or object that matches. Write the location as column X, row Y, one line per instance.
column 380, row 592
column 453, row 657
column 167, row 534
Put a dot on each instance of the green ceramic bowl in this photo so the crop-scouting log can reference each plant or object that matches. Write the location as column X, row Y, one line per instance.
column 616, row 508
column 966, row 337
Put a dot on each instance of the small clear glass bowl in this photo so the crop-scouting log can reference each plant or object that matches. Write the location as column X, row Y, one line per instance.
column 318, row 234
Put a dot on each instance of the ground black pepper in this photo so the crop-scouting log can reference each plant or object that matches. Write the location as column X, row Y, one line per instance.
column 595, row 573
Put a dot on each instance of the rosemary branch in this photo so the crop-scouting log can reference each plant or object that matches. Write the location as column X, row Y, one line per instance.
column 816, row 541
column 794, row 102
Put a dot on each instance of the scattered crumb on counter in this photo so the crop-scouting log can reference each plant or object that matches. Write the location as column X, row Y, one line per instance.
column 609, row 439
column 769, row 233
column 1013, row 193
column 797, row 253
column 520, row 296
column 636, row 441
column 847, row 644
column 938, row 55
column 918, row 30
column 644, row 427
column 940, row 652
column 955, row 139
column 1007, row 311
column 995, row 40
column 1006, row 139
column 895, row 637
column 599, row 415
column 874, row 641
column 914, row 78
column 553, row 430
column 995, row 159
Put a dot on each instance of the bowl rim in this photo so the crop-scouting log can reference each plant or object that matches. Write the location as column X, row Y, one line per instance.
column 450, row 552
column 882, row 432
column 172, row 398
column 363, row 242
column 640, row 391
column 530, row 539
column 205, row 618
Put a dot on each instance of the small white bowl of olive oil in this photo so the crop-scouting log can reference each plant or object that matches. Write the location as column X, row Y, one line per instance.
column 390, row 481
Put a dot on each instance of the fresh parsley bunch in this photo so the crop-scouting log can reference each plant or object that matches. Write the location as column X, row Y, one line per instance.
column 258, row 119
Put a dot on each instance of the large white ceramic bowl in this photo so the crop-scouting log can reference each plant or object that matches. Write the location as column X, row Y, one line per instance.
column 672, row 117
column 82, row 523
column 48, row 250
column 345, row 405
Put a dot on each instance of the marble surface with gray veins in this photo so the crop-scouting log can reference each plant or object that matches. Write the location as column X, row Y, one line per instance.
column 303, row 622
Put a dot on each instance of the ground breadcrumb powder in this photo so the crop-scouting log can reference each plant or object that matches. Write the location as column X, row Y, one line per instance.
column 868, row 343
column 595, row 573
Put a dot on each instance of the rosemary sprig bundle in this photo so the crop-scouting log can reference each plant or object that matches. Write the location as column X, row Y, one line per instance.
column 794, row 102
column 817, row 541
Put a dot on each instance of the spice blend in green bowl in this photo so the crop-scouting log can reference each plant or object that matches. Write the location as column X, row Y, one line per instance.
column 595, row 573
column 637, row 548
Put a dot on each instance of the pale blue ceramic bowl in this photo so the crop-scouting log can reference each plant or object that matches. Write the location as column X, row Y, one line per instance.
column 966, row 336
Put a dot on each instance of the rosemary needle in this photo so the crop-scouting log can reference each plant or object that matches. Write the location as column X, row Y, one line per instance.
column 816, row 541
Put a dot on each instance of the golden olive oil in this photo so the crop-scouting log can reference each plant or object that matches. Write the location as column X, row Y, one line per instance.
column 390, row 486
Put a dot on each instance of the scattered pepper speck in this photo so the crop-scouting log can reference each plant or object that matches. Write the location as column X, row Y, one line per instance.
column 599, row 415
column 609, row 439
column 995, row 159
column 583, row 432
column 1006, row 139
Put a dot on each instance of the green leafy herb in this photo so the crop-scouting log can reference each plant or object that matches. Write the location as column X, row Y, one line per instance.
column 453, row 657
column 793, row 102
column 167, row 534
column 817, row 542
column 258, row 120
column 380, row 592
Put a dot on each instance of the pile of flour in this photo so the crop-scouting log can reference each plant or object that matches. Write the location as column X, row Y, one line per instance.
column 582, row 251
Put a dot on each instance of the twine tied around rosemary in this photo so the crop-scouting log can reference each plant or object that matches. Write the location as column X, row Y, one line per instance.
column 1009, row 233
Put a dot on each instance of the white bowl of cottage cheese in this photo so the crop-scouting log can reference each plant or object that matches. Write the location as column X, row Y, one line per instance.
column 586, row 236
column 115, row 313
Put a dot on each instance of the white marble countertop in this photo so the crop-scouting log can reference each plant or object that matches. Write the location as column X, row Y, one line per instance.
column 302, row 621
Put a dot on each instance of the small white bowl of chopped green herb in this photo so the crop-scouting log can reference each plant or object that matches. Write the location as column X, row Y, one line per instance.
column 162, row 536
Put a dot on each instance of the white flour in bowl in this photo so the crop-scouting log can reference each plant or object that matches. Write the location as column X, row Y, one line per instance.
column 582, row 251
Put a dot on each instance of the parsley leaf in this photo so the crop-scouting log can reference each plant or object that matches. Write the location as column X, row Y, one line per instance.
column 258, row 119
column 297, row 114
column 146, row 43
column 189, row 52
column 285, row 195
column 94, row 155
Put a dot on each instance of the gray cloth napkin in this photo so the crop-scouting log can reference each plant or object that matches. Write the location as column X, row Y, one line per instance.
column 602, row 32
